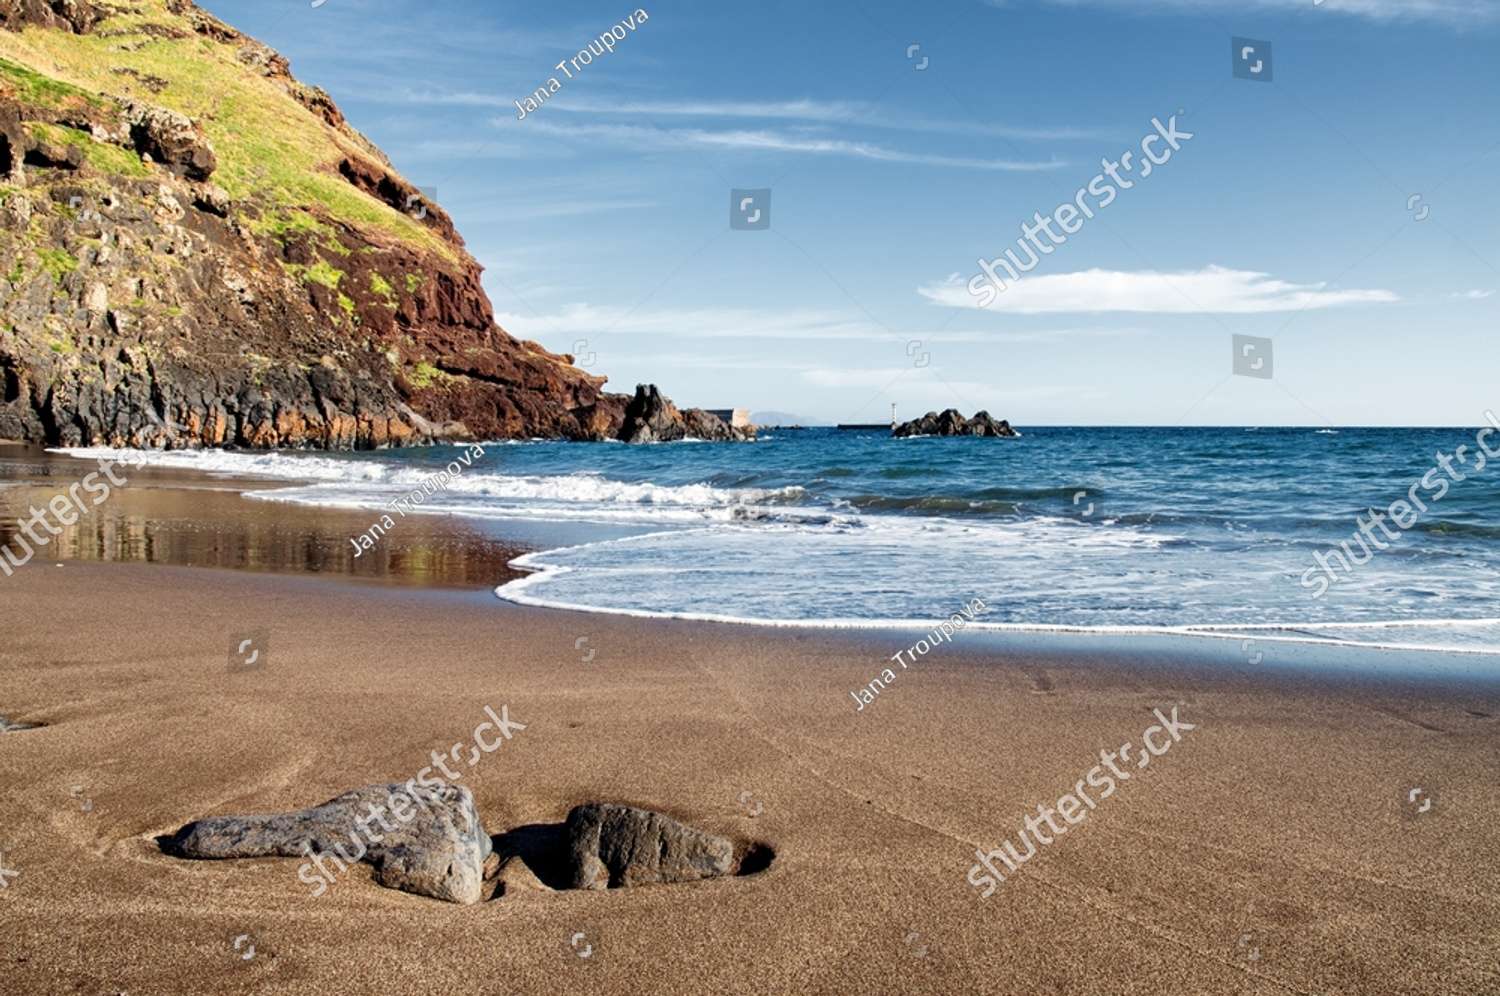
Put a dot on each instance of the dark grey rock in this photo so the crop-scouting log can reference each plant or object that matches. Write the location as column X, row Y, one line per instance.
column 438, row 851
column 952, row 423
column 612, row 846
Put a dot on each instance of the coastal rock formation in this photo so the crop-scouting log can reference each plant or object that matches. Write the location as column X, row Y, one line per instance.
column 612, row 846
column 437, row 847
column 951, row 423
column 651, row 418
column 197, row 249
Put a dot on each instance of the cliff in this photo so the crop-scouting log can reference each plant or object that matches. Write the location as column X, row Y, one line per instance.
column 197, row 249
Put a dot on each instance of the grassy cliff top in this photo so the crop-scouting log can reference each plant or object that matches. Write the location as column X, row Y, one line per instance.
column 273, row 150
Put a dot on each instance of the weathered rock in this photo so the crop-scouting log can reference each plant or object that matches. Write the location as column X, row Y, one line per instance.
column 651, row 418
column 11, row 726
column 172, row 139
column 983, row 425
column 951, row 423
column 612, row 846
column 77, row 16
column 439, row 850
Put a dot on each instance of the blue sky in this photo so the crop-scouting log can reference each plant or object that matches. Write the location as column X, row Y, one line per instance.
column 1346, row 208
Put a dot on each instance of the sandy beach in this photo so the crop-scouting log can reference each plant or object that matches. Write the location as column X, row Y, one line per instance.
column 1271, row 850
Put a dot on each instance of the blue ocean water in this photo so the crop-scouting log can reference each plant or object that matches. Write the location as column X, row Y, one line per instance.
column 1128, row 528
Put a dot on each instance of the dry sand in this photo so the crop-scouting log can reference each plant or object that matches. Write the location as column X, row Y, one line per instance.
column 1270, row 851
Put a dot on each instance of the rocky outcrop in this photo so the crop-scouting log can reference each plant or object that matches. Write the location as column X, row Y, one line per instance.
column 611, row 846
column 77, row 16
column 171, row 282
column 172, row 139
column 951, row 423
column 424, row 840
column 651, row 418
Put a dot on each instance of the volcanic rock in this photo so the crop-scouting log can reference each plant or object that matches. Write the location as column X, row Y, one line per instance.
column 651, row 418
column 951, row 423
column 612, row 846
column 439, row 851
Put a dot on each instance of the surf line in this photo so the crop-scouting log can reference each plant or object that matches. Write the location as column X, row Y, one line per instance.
column 942, row 634
column 428, row 488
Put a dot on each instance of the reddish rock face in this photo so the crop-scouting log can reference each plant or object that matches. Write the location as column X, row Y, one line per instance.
column 151, row 309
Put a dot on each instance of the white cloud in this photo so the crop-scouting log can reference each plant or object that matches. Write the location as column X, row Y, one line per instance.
column 805, row 110
column 708, row 323
column 844, row 112
column 645, row 138
column 1473, row 295
column 1451, row 11
column 1213, row 289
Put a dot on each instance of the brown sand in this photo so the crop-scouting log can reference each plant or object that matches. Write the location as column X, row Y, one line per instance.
column 1270, row 851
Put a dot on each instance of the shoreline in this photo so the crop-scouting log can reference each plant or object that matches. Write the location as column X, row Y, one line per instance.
column 497, row 555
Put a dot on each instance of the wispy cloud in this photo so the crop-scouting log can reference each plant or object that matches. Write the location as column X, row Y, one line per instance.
column 1451, row 11
column 643, row 138
column 802, row 110
column 1213, row 289
column 707, row 323
column 1473, row 295
column 843, row 112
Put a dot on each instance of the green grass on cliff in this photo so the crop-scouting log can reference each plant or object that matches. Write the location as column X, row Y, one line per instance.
column 272, row 150
column 105, row 158
column 37, row 90
column 58, row 262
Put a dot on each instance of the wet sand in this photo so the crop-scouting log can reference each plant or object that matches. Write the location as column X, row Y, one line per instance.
column 164, row 516
column 1271, row 850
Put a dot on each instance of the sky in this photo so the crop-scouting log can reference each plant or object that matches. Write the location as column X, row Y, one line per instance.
column 1337, row 196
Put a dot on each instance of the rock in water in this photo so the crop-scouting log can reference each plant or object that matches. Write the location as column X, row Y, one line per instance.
column 951, row 423
column 437, row 850
column 983, row 425
column 612, row 846
column 651, row 418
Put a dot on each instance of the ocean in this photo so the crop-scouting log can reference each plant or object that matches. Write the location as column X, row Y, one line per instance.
column 1068, row 528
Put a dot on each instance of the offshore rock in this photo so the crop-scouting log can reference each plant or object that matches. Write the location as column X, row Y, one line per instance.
column 951, row 423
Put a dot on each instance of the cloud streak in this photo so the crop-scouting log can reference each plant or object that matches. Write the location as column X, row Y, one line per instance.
column 802, row 110
column 642, row 138
column 1210, row 290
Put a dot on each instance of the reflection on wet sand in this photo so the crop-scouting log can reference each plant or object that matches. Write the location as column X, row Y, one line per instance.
column 164, row 517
